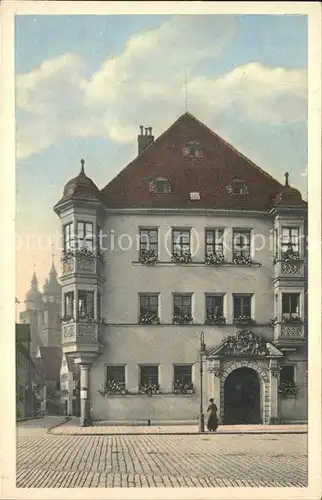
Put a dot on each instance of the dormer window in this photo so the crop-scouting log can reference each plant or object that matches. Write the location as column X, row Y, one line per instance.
column 160, row 185
column 238, row 187
column 193, row 149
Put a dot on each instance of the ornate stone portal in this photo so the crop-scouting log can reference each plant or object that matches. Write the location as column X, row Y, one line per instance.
column 246, row 350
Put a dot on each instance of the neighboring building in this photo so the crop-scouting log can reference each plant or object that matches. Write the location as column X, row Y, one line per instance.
column 43, row 312
column 29, row 383
column 69, row 386
column 48, row 360
column 198, row 239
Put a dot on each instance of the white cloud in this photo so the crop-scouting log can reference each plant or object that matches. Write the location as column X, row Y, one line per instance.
column 145, row 82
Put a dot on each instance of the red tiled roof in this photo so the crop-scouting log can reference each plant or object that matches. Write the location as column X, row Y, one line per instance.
column 50, row 362
column 209, row 175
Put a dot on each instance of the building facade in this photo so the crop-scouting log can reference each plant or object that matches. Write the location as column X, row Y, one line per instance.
column 29, row 382
column 190, row 237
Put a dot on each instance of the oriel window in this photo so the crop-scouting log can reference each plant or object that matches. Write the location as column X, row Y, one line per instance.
column 69, row 304
column 85, row 304
column 290, row 239
column 85, row 237
column 69, row 237
column 290, row 306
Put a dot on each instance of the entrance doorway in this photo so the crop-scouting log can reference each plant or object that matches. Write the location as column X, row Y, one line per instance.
column 242, row 397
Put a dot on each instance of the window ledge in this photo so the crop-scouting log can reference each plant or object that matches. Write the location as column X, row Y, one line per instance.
column 161, row 263
column 188, row 324
column 136, row 395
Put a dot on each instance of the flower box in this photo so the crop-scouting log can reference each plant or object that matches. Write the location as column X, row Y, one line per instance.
column 287, row 389
column 149, row 389
column 184, row 258
column 184, row 319
column 148, row 257
column 115, row 387
column 241, row 260
column 66, row 319
column 149, row 319
column 214, row 259
column 179, row 388
column 292, row 320
column 215, row 320
column 290, row 255
column 244, row 320
column 82, row 253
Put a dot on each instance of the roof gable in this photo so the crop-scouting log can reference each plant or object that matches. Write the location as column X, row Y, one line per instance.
column 210, row 174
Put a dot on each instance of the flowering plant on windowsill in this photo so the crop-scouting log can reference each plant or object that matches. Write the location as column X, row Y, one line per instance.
column 148, row 257
column 214, row 259
column 149, row 319
column 149, row 389
column 288, row 389
column 182, row 319
column 290, row 255
column 80, row 253
column 100, row 256
column 179, row 258
column 244, row 320
column 113, row 387
column 240, row 260
column 67, row 318
column 179, row 388
column 292, row 319
column 217, row 319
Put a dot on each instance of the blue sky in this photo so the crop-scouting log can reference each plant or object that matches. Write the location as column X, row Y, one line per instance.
column 86, row 83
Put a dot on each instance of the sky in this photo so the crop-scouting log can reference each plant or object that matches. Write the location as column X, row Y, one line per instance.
column 85, row 83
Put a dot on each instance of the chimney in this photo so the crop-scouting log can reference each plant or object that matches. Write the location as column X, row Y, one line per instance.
column 145, row 138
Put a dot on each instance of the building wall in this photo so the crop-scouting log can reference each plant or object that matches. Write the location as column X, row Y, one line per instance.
column 126, row 342
column 120, row 300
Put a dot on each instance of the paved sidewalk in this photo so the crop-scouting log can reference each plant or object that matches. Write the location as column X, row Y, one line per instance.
column 72, row 428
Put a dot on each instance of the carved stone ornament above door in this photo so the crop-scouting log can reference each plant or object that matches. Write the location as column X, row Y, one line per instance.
column 245, row 344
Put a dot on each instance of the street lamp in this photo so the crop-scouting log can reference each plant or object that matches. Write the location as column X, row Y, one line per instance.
column 202, row 351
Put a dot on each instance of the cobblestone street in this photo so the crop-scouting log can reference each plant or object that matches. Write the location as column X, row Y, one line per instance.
column 218, row 460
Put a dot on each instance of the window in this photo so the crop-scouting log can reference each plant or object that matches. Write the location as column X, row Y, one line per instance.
column 85, row 236
column 68, row 237
column 69, row 305
column 160, row 186
column 149, row 375
column 181, row 241
column 193, row 149
column 241, row 243
column 85, row 304
column 183, row 374
column 149, row 240
column 290, row 306
column 290, row 239
column 214, row 306
column 238, row 187
column 287, row 374
column 242, row 306
column 214, row 241
column 182, row 308
column 99, row 308
column 115, row 373
column 149, row 305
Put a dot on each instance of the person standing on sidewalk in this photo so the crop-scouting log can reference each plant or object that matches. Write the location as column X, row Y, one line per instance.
column 212, row 422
